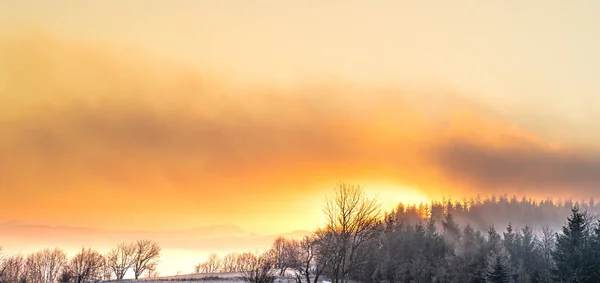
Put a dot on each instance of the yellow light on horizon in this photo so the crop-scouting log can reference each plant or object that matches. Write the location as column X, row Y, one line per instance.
column 391, row 194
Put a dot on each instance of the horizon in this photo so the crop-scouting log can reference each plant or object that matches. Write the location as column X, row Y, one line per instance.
column 178, row 258
column 558, row 202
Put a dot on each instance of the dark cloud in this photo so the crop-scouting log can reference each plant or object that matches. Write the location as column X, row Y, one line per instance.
column 540, row 170
column 80, row 112
column 78, row 131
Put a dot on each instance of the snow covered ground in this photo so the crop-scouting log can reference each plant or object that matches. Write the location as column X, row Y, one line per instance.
column 233, row 277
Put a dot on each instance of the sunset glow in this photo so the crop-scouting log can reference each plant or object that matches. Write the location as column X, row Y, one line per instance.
column 157, row 116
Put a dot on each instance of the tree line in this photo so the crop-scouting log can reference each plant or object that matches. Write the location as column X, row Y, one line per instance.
column 442, row 242
column 426, row 243
column 53, row 265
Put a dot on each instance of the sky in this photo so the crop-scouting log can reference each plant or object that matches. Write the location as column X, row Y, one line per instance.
column 164, row 115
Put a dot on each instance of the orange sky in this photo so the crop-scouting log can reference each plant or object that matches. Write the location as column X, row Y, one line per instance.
column 101, row 137
column 170, row 116
column 159, row 115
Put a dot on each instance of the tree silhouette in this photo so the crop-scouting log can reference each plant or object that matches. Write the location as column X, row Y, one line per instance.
column 572, row 253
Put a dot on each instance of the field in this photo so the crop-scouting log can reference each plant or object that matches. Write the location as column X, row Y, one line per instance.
column 203, row 277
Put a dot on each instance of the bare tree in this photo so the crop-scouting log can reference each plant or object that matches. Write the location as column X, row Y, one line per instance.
column 311, row 256
column 44, row 266
column 285, row 253
column 85, row 266
column 120, row 259
column 151, row 271
column 55, row 261
column 1, row 263
column 146, row 253
column 292, row 259
column 13, row 267
column 292, row 251
column 302, row 259
column 211, row 265
column 229, row 263
column 244, row 261
column 66, row 276
column 278, row 251
column 107, row 272
column 259, row 268
column 351, row 219
column 33, row 268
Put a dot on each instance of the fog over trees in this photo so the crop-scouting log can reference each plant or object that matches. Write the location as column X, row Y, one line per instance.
column 492, row 239
column 496, row 239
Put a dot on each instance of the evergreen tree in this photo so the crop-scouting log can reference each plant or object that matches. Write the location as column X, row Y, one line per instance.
column 572, row 256
column 529, row 269
column 511, row 245
column 497, row 259
column 451, row 232
column 494, row 240
column 498, row 269
column 545, row 246
column 470, row 259
column 595, row 254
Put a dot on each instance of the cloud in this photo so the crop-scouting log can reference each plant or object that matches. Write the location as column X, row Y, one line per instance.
column 88, row 125
column 57, row 120
column 543, row 171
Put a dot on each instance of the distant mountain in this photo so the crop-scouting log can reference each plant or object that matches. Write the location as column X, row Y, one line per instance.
column 298, row 234
column 218, row 231
column 23, row 237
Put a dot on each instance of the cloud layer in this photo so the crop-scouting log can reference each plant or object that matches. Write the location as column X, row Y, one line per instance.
column 85, row 125
column 542, row 170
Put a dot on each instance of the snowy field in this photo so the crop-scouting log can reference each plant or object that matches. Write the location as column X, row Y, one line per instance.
column 204, row 277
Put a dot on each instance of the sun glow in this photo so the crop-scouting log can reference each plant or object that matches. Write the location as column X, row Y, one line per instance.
column 390, row 194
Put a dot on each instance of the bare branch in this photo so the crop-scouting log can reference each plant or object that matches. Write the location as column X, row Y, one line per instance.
column 146, row 253
column 259, row 268
column 120, row 259
column 85, row 266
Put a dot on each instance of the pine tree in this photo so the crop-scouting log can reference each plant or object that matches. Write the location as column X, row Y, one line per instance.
column 451, row 232
column 511, row 241
column 572, row 254
column 471, row 257
column 545, row 246
column 498, row 267
column 528, row 254
column 595, row 254
column 493, row 239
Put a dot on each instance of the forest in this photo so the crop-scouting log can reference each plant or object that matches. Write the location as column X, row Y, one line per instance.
column 492, row 239
column 442, row 242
